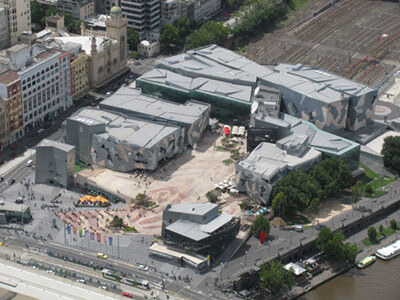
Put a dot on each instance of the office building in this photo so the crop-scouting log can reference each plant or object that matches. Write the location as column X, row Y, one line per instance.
column 19, row 17
column 4, row 28
column 198, row 228
column 4, row 130
column 192, row 116
column 79, row 9
column 55, row 163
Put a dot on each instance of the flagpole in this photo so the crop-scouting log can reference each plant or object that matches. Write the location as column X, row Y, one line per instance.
column 65, row 235
column 118, row 245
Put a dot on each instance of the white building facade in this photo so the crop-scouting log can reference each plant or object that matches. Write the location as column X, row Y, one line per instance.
column 19, row 17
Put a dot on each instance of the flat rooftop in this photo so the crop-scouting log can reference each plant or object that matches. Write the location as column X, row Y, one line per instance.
column 133, row 100
column 55, row 144
column 86, row 42
column 124, row 129
column 13, row 207
column 315, row 83
column 192, row 208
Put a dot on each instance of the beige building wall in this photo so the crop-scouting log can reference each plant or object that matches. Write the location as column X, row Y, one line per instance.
column 4, row 131
column 19, row 17
column 80, row 76
column 108, row 63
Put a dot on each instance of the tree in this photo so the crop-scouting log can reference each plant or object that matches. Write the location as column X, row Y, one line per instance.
column 393, row 224
column 372, row 234
column 142, row 199
column 210, row 33
column 391, row 152
column 381, row 228
column 212, row 196
column 261, row 223
column 356, row 191
column 279, row 205
column 183, row 26
column 117, row 222
column 349, row 253
column 133, row 38
column 369, row 190
column 275, row 278
column 169, row 37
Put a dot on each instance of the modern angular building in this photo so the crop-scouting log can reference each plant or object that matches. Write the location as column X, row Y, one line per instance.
column 198, row 227
column 121, row 143
column 55, row 163
column 331, row 102
column 226, row 79
column 192, row 116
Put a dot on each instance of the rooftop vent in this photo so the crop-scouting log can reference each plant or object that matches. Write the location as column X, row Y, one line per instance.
column 297, row 67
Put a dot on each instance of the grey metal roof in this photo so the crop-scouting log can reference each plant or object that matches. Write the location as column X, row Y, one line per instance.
column 132, row 100
column 55, row 144
column 13, row 207
column 193, row 208
column 315, row 83
column 124, row 129
column 216, row 223
column 298, row 270
column 188, row 229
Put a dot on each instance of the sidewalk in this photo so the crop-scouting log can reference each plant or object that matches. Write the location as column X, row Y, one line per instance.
column 30, row 153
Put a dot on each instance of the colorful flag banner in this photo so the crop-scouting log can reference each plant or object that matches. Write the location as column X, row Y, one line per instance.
column 105, row 239
column 86, row 233
column 98, row 237
column 110, row 240
column 74, row 230
column 92, row 236
column 80, row 232
column 263, row 236
column 69, row 229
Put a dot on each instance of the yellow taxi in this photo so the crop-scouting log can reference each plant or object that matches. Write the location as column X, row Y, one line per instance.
column 102, row 255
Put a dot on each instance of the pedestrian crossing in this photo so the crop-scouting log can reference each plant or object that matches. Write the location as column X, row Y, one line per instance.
column 16, row 162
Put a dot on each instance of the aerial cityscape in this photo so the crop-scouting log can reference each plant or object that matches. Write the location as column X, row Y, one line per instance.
column 199, row 149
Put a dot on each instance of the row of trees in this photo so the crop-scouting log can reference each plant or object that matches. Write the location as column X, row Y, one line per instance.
column 300, row 190
column 179, row 34
column 257, row 15
column 334, row 247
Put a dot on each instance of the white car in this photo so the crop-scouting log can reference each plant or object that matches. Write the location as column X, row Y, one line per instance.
column 81, row 281
column 50, row 272
column 144, row 268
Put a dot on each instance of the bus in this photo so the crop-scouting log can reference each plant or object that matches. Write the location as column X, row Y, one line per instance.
column 138, row 283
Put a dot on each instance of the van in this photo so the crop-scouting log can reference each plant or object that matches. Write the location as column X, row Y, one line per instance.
column 29, row 163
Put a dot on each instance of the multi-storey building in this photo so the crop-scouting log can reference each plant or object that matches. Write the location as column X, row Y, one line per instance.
column 4, row 29
column 10, row 91
column 45, row 82
column 80, row 76
column 19, row 17
column 4, row 135
column 205, row 9
column 79, row 9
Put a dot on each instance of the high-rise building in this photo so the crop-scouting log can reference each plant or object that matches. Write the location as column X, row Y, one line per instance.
column 79, row 9
column 19, row 17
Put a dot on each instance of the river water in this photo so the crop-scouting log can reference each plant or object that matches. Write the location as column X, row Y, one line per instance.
column 380, row 281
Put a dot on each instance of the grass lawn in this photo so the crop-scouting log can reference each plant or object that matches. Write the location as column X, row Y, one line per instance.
column 228, row 161
column 377, row 194
column 296, row 4
column 297, row 219
column 370, row 174
column 79, row 168
column 388, row 231
column 129, row 229
column 381, row 182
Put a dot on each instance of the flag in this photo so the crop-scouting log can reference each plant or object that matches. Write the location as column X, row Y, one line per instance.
column 80, row 232
column 86, row 233
column 110, row 240
column 92, row 236
column 98, row 237
column 263, row 236
column 105, row 239
column 69, row 229
column 74, row 230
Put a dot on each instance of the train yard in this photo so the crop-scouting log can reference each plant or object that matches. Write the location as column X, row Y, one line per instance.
column 358, row 39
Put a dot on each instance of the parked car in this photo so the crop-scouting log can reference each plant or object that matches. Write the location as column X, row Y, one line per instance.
column 11, row 181
column 1, row 179
column 102, row 255
column 81, row 281
column 144, row 268
column 50, row 272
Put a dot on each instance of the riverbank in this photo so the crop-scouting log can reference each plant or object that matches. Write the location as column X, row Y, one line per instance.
column 330, row 274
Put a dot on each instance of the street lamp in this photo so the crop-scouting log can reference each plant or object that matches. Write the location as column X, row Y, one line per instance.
column 245, row 258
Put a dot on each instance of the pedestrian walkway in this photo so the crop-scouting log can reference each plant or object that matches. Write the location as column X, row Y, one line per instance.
column 16, row 162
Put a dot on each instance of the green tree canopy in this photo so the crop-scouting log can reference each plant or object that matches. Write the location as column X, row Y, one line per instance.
column 183, row 26
column 393, row 224
column 117, row 222
column 169, row 37
column 372, row 234
column 391, row 152
column 261, row 223
column 210, row 33
column 133, row 38
column 275, row 278
column 356, row 191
